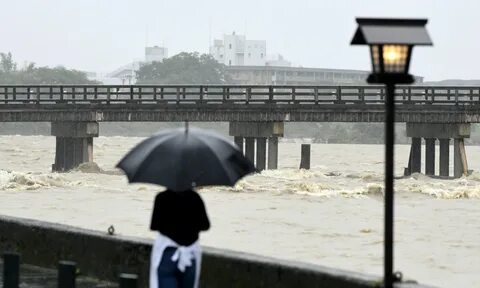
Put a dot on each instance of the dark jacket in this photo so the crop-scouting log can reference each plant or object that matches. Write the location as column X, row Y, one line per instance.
column 180, row 216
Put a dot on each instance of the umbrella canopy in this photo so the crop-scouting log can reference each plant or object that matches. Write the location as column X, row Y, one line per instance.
column 180, row 159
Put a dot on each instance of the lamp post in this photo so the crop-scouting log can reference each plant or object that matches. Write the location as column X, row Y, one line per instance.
column 391, row 42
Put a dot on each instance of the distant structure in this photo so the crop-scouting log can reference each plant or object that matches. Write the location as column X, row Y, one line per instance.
column 235, row 50
column 155, row 53
column 282, row 75
column 247, row 62
column 126, row 75
column 277, row 60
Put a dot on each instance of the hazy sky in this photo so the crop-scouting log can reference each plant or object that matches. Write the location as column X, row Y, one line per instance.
column 101, row 35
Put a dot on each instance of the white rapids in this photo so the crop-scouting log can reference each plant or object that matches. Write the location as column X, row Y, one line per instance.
column 330, row 215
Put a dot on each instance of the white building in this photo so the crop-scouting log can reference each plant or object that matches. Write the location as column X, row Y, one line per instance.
column 235, row 50
column 155, row 53
column 127, row 74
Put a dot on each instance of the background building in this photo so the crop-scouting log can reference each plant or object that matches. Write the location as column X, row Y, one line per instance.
column 155, row 53
column 278, row 75
column 277, row 60
column 235, row 50
column 126, row 75
column 247, row 63
column 281, row 75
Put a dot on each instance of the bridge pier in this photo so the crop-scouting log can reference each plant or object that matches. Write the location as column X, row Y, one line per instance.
column 430, row 156
column 239, row 142
column 415, row 161
column 261, row 153
column 460, row 166
column 74, row 144
column 250, row 148
column 444, row 132
column 261, row 141
column 444, row 156
column 272, row 152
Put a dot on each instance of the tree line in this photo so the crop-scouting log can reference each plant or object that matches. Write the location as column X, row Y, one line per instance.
column 183, row 68
column 31, row 74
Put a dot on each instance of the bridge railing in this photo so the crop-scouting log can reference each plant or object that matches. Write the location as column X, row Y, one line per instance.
column 233, row 94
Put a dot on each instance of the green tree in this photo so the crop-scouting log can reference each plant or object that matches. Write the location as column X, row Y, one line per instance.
column 38, row 75
column 7, row 65
column 183, row 68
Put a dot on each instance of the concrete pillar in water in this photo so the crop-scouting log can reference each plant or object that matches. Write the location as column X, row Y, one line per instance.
column 260, row 131
column 272, row 152
column 460, row 166
column 90, row 149
column 444, row 132
column 239, row 142
column 430, row 156
column 416, row 155
column 444, row 157
column 261, row 153
column 74, row 143
column 463, row 155
column 457, row 162
column 305, row 157
column 250, row 148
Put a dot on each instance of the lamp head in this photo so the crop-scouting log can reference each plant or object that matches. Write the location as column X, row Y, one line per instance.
column 391, row 43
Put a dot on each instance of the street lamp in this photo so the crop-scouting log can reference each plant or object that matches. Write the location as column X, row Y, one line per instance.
column 391, row 42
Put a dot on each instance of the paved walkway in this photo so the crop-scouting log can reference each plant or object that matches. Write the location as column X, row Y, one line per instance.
column 36, row 277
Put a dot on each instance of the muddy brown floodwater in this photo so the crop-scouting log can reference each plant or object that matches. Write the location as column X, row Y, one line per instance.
column 330, row 215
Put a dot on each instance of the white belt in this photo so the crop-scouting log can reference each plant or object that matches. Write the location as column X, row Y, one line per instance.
column 183, row 254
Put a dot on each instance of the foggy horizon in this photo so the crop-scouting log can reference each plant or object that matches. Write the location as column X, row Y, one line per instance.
column 101, row 36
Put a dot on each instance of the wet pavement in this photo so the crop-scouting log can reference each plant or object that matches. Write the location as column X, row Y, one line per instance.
column 37, row 277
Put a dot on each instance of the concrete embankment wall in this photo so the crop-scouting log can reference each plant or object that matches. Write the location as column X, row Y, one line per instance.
column 104, row 257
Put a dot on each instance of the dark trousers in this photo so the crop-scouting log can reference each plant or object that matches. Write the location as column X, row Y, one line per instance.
column 170, row 277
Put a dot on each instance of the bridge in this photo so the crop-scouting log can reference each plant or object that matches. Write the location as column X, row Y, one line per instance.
column 419, row 104
column 256, row 114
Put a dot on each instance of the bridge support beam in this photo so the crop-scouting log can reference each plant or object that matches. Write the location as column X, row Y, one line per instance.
column 256, row 135
column 415, row 161
column 430, row 156
column 444, row 157
column 460, row 166
column 272, row 152
column 250, row 148
column 305, row 157
column 261, row 153
column 239, row 142
column 444, row 132
column 74, row 144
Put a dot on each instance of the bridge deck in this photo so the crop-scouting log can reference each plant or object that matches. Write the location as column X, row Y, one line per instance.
column 236, row 103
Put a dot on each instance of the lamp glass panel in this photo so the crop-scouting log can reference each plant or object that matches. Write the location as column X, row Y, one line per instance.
column 395, row 58
column 375, row 50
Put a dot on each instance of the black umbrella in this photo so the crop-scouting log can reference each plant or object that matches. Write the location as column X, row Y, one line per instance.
column 180, row 159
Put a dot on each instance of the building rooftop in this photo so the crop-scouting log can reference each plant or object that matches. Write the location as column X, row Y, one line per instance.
column 289, row 68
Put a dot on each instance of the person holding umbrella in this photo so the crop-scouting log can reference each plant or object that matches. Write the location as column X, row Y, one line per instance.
column 182, row 159
column 178, row 216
